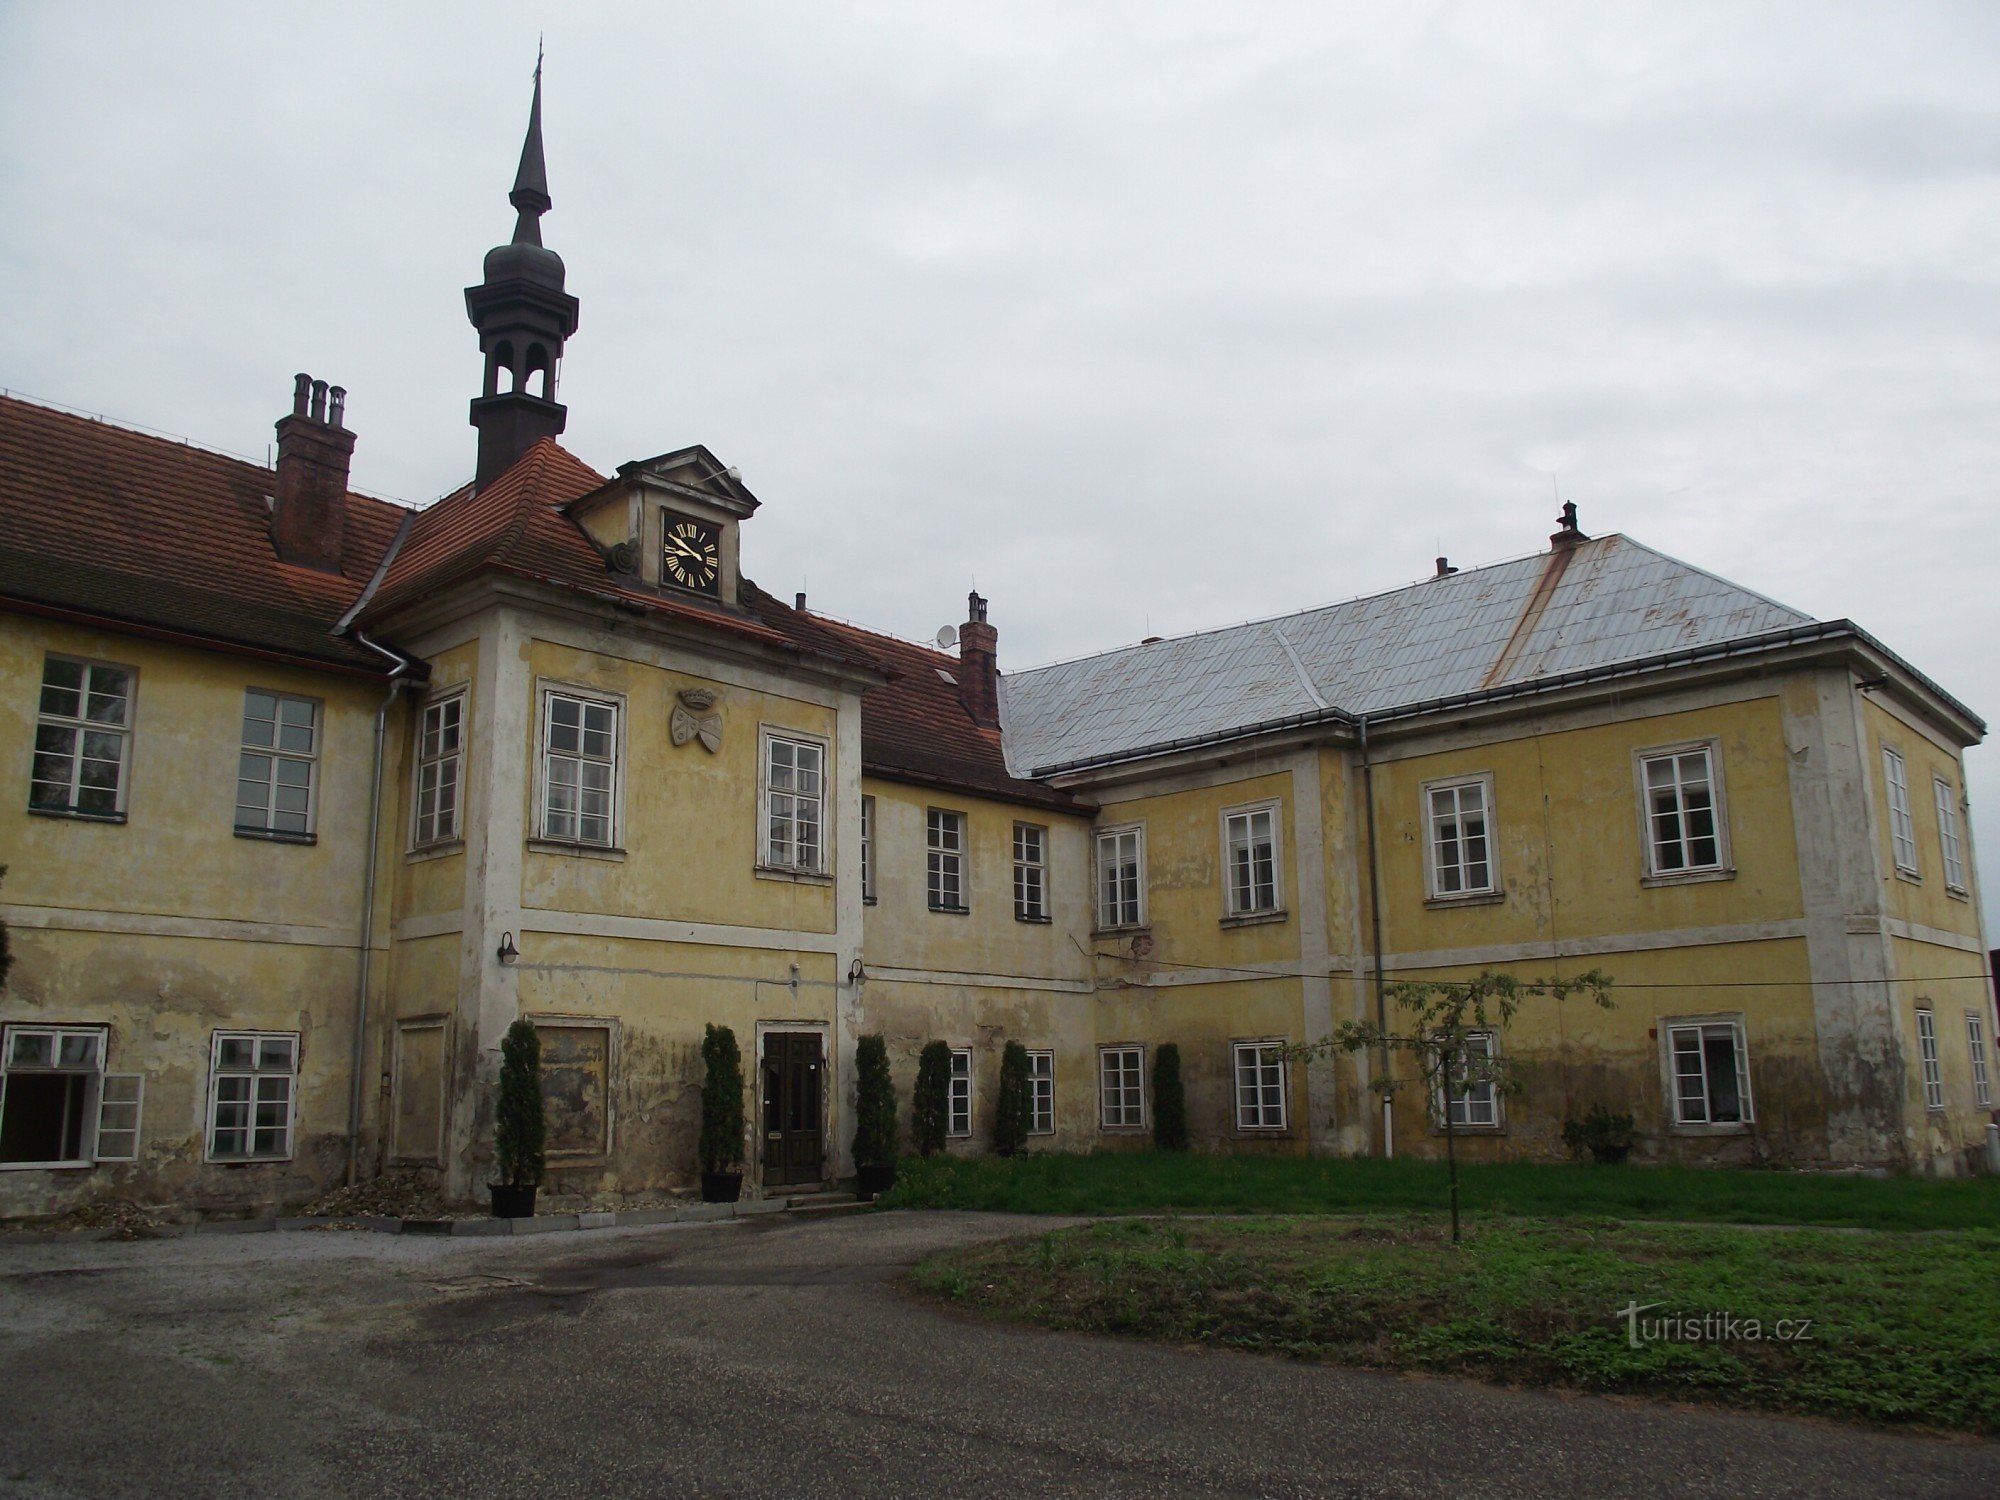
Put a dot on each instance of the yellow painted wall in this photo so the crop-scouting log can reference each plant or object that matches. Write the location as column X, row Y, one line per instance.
column 1927, row 899
column 430, row 881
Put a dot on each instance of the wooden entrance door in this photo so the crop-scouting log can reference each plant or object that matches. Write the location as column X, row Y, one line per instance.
column 794, row 1083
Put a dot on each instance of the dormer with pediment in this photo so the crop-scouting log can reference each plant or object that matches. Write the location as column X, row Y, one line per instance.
column 670, row 523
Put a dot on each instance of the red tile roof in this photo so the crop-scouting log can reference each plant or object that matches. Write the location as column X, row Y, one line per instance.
column 915, row 728
column 121, row 525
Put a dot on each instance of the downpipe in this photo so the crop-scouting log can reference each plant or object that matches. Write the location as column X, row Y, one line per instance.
column 396, row 685
column 1375, row 931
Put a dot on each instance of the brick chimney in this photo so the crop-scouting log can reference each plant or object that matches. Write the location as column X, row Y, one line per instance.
column 309, row 511
column 979, row 664
column 1569, row 536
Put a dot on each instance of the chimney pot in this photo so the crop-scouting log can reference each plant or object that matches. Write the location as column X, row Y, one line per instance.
column 799, row 601
column 301, row 393
column 1445, row 569
column 336, row 398
column 319, row 401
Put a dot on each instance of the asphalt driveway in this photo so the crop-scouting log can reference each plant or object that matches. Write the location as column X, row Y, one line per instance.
column 766, row 1357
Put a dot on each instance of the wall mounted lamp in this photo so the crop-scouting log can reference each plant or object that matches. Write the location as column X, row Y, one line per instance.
column 855, row 973
column 508, row 952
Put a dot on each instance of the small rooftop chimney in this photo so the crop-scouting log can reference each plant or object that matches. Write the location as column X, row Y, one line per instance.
column 309, row 511
column 1568, row 536
column 979, row 664
column 1445, row 569
column 799, row 601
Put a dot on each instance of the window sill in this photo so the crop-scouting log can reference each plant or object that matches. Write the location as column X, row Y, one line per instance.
column 1698, row 1129
column 1958, row 893
column 1121, row 1130
column 1465, row 898
column 1439, row 1131
column 46, row 1166
column 1261, row 1132
column 1255, row 918
column 867, row 900
column 1032, row 921
column 71, row 815
column 437, row 850
column 792, row 876
column 582, row 851
column 1137, row 929
column 246, row 1161
column 274, row 836
column 1908, row 877
column 951, row 911
column 1689, row 877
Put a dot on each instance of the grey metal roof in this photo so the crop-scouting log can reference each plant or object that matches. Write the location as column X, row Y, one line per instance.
column 1606, row 601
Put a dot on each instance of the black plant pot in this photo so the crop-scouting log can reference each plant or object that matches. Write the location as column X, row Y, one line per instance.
column 512, row 1202
column 1610, row 1156
column 721, row 1187
column 872, row 1182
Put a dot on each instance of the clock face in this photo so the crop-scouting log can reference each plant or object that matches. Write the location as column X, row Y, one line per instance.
column 688, row 555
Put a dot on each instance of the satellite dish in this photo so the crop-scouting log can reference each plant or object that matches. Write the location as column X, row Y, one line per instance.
column 947, row 637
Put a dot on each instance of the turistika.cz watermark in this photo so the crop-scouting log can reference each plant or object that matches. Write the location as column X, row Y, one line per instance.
column 1708, row 1327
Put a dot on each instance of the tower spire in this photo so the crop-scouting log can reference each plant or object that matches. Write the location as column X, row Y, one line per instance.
column 531, row 179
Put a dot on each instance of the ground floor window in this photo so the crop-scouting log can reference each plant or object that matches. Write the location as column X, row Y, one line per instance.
column 1927, row 1046
column 1121, row 1088
column 253, row 1087
column 958, row 1114
column 1711, row 1070
column 1260, row 1085
column 53, row 1094
column 1041, row 1093
column 1470, row 1097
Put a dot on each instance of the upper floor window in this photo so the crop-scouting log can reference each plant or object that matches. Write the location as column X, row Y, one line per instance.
column 1711, row 1072
column 252, row 1087
column 1902, row 828
column 1121, row 877
column 868, row 849
column 1684, row 831
column 1948, row 840
column 1460, row 859
column 1260, row 1085
column 794, row 801
column 1250, row 859
column 440, row 748
column 1031, row 873
column 1927, row 1050
column 944, row 859
column 278, row 768
column 579, row 768
column 82, row 739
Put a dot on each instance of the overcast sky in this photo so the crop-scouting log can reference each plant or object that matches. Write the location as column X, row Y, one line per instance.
column 1149, row 317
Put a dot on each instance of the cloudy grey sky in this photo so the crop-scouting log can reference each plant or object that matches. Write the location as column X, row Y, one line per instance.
column 1150, row 317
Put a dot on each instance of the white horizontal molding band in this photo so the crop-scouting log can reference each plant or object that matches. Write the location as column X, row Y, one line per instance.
column 1585, row 947
column 152, row 924
column 659, row 930
column 884, row 974
column 437, row 924
column 1916, row 932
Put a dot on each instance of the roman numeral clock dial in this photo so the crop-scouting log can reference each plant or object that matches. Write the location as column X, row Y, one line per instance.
column 689, row 557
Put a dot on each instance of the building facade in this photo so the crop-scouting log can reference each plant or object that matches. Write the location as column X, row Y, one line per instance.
column 314, row 795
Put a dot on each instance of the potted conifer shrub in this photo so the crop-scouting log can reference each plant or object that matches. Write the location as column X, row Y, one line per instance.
column 1608, row 1137
column 1169, row 1100
column 1010, row 1113
column 875, row 1128
column 518, row 1123
column 721, row 1116
column 930, row 1105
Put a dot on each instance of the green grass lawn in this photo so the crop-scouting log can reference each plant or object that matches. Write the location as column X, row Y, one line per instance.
column 1148, row 1181
column 1897, row 1329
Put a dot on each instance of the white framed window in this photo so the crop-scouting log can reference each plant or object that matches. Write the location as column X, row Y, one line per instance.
column 82, row 739
column 1975, row 1047
column 794, row 803
column 958, row 1099
column 579, row 767
column 253, row 1083
column 1041, row 1093
column 1250, row 860
column 1685, row 828
column 944, row 859
column 277, row 770
column 1121, row 1088
column 1457, row 839
column 1468, row 1097
column 1928, row 1052
column 1121, row 877
column 440, row 754
column 1902, row 827
column 1260, row 1085
column 1948, row 841
column 868, row 850
column 1710, row 1068
column 1031, row 873
column 58, row 1107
